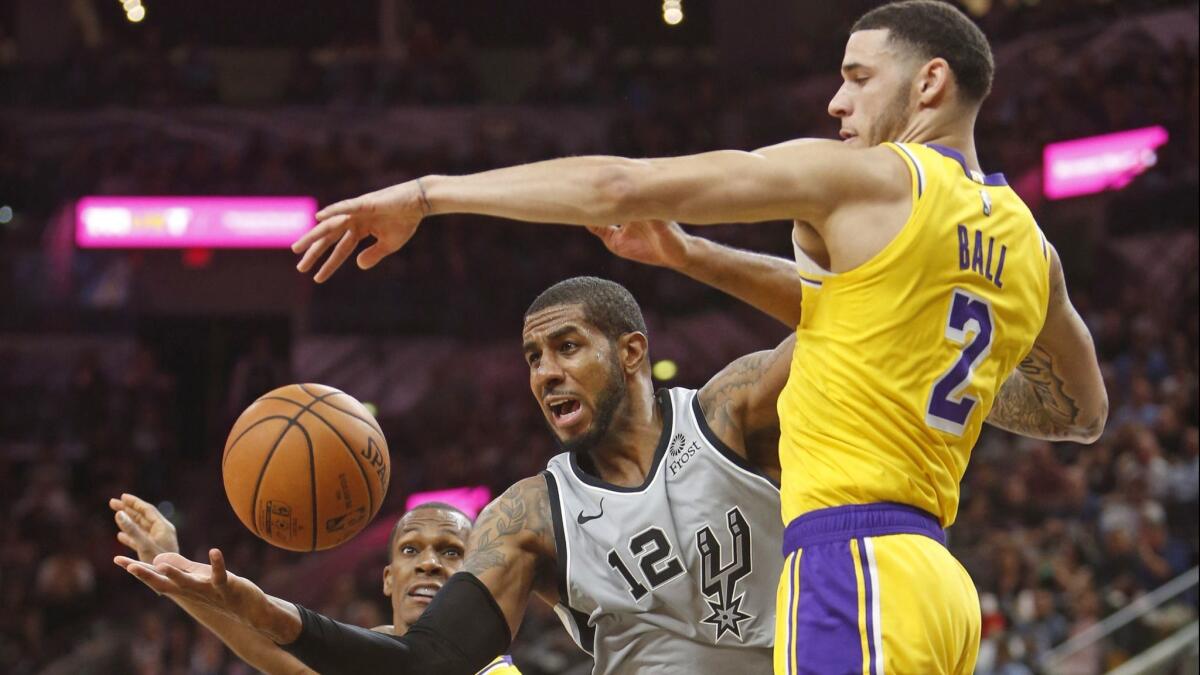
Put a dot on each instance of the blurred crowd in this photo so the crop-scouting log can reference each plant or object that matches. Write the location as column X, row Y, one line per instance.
column 1056, row 536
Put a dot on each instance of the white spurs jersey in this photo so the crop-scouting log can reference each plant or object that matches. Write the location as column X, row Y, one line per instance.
column 678, row 575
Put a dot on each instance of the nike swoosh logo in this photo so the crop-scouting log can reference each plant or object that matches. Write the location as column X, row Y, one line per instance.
column 583, row 519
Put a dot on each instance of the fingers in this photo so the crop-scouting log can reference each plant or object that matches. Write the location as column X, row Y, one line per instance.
column 174, row 560
column 140, row 507
column 329, row 228
column 346, row 206
column 147, row 575
column 342, row 251
column 371, row 256
column 217, row 560
column 128, row 527
column 315, row 252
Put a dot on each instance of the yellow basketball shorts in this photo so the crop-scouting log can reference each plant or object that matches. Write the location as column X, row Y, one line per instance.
column 871, row 589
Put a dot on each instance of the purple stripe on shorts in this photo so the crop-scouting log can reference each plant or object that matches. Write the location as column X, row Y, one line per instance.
column 826, row 630
column 867, row 602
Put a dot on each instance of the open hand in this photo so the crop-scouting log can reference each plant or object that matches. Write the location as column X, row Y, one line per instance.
column 174, row 575
column 390, row 215
column 653, row 242
column 143, row 528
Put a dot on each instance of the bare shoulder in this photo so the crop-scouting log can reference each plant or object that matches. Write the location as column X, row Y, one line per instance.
column 886, row 171
column 518, row 521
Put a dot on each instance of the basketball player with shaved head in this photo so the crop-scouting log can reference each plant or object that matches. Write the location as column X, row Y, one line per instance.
column 426, row 546
column 932, row 303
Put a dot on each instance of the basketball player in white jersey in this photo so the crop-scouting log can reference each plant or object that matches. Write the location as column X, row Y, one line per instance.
column 654, row 536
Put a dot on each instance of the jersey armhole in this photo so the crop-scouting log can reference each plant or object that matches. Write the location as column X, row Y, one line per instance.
column 915, row 170
column 583, row 634
column 725, row 451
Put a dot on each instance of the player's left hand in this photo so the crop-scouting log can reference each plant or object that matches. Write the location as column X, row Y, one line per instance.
column 143, row 527
column 174, row 575
column 653, row 242
column 390, row 215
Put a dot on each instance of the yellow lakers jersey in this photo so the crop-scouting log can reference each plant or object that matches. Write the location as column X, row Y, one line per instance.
column 897, row 361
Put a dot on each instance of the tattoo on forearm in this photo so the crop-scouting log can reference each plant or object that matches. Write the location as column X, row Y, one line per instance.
column 523, row 511
column 1034, row 401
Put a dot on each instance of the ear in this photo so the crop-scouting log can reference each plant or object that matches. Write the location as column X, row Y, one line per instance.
column 633, row 350
column 933, row 82
column 387, row 581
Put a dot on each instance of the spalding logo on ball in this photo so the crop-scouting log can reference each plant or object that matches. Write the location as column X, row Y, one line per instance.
column 306, row 467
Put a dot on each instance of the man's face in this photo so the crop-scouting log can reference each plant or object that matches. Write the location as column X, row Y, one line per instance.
column 574, row 374
column 428, row 548
column 875, row 100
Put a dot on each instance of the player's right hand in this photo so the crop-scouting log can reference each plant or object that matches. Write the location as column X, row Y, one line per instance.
column 175, row 576
column 143, row 528
column 653, row 242
column 390, row 215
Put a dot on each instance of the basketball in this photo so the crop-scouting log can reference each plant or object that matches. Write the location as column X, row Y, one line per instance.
column 306, row 467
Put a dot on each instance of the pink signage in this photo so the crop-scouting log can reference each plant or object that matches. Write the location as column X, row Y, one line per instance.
column 192, row 222
column 1099, row 163
column 470, row 499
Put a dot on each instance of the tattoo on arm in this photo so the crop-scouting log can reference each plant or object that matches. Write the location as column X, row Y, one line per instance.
column 723, row 399
column 520, row 518
column 1034, row 401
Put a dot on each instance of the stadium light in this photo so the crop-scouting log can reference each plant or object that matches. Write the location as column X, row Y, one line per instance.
column 672, row 12
column 136, row 14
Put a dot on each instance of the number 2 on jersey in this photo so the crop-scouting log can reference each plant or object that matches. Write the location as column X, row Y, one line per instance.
column 949, row 407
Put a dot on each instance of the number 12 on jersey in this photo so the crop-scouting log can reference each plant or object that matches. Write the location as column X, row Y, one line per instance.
column 949, row 407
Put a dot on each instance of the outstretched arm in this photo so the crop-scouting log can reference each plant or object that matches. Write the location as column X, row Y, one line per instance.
column 506, row 553
column 799, row 180
column 1057, row 393
column 766, row 282
column 147, row 531
column 739, row 404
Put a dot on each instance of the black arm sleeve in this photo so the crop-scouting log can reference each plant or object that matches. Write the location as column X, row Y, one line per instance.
column 460, row 632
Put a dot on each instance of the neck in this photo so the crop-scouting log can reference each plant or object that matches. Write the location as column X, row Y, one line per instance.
column 625, row 456
column 949, row 128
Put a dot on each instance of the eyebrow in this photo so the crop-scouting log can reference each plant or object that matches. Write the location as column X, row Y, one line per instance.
column 530, row 345
column 852, row 66
column 441, row 536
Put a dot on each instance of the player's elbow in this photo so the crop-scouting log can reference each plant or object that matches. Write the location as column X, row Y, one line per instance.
column 617, row 195
column 1092, row 421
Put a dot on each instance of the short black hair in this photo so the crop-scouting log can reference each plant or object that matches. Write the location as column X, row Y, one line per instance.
column 606, row 304
column 440, row 506
column 937, row 29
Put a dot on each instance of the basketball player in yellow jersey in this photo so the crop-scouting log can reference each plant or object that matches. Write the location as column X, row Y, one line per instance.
column 932, row 303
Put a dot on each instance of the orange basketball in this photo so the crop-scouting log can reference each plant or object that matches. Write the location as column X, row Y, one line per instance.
column 306, row 467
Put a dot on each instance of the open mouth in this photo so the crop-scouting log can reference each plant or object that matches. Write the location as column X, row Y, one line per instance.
column 423, row 592
column 565, row 411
